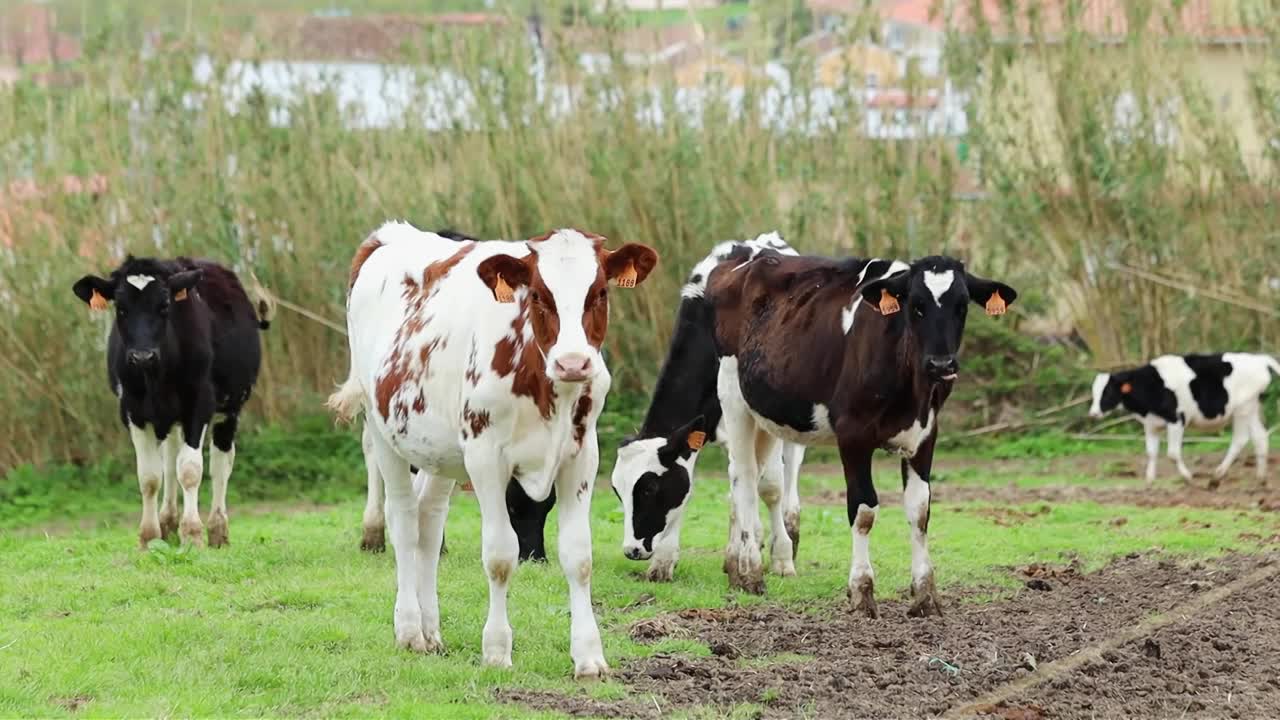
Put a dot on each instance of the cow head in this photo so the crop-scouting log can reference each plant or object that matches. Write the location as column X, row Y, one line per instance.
column 142, row 291
column 1108, row 392
column 652, row 478
column 934, row 295
column 563, row 283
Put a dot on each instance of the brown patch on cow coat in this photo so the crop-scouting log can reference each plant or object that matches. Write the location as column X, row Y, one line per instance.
column 400, row 368
column 363, row 252
column 476, row 420
column 866, row 519
column 580, row 412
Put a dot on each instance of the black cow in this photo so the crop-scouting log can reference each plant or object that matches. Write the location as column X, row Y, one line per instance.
column 1174, row 391
column 860, row 354
column 183, row 354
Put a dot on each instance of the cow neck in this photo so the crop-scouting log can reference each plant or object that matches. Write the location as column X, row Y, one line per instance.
column 686, row 384
column 908, row 379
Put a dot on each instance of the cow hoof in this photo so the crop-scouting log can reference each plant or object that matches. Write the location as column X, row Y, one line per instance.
column 863, row 597
column 146, row 535
column 431, row 643
column 593, row 669
column 497, row 660
column 192, row 534
column 784, row 566
column 664, row 572
column 374, row 540
column 747, row 582
column 168, row 526
column 412, row 640
column 926, row 602
column 1215, row 482
column 217, row 530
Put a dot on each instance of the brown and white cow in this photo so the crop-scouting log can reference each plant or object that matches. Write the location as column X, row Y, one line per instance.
column 484, row 358
column 856, row 353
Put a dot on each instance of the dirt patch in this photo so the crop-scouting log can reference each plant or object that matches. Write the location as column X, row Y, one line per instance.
column 825, row 662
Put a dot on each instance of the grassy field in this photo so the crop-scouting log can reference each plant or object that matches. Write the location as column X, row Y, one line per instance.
column 293, row 620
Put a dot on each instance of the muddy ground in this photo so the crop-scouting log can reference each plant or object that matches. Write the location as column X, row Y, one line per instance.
column 1223, row 660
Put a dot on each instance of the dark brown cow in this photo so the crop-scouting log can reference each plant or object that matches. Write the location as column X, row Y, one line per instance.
column 856, row 353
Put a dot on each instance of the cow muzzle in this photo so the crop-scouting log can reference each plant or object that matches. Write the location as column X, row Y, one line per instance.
column 942, row 367
column 573, row 367
column 635, row 551
column 142, row 358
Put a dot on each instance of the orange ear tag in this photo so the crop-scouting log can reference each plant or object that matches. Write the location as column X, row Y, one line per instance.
column 888, row 303
column 697, row 439
column 1126, row 388
column 627, row 278
column 180, row 296
column 996, row 304
column 502, row 292
column 97, row 302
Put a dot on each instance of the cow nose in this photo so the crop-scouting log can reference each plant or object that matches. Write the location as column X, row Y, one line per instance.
column 943, row 366
column 635, row 552
column 141, row 357
column 573, row 367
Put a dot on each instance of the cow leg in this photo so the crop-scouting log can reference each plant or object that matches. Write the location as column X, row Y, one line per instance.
column 190, row 472
column 1258, row 433
column 374, row 522
column 433, row 507
column 792, row 459
column 222, row 457
column 1153, row 451
column 169, row 499
column 742, row 562
column 1241, row 431
column 915, row 501
column 146, row 450
column 862, row 504
column 500, row 549
column 574, row 485
column 1175, row 449
column 772, row 491
column 402, row 524
column 529, row 520
column 666, row 551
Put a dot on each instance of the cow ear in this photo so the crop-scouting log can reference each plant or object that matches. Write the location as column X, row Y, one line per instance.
column 995, row 297
column 630, row 264
column 503, row 274
column 180, row 283
column 691, row 435
column 94, row 291
column 887, row 294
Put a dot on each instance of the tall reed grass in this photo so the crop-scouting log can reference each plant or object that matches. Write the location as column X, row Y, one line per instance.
column 1139, row 245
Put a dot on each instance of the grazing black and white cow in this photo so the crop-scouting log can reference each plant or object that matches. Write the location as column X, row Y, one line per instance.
column 183, row 354
column 653, row 475
column 1174, row 391
column 484, row 358
column 857, row 353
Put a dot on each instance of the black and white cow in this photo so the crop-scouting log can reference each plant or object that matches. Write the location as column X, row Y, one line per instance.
column 1174, row 391
column 653, row 475
column 183, row 354
column 857, row 353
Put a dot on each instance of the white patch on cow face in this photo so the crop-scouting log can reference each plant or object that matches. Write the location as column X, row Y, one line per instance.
column 697, row 284
column 1099, row 384
column 568, row 265
column 939, row 283
column 635, row 459
column 140, row 281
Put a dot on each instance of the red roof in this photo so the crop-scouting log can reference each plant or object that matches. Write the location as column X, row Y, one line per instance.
column 1215, row 21
column 373, row 37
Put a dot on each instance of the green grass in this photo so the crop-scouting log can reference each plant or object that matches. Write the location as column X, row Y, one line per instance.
column 294, row 620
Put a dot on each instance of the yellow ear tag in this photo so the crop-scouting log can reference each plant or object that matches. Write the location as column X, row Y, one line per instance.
column 180, row 296
column 1125, row 389
column 996, row 304
column 502, row 292
column 627, row 278
column 888, row 303
column 697, row 439
column 97, row 302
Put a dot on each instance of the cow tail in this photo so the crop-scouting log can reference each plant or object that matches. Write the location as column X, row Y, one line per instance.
column 264, row 301
column 347, row 402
